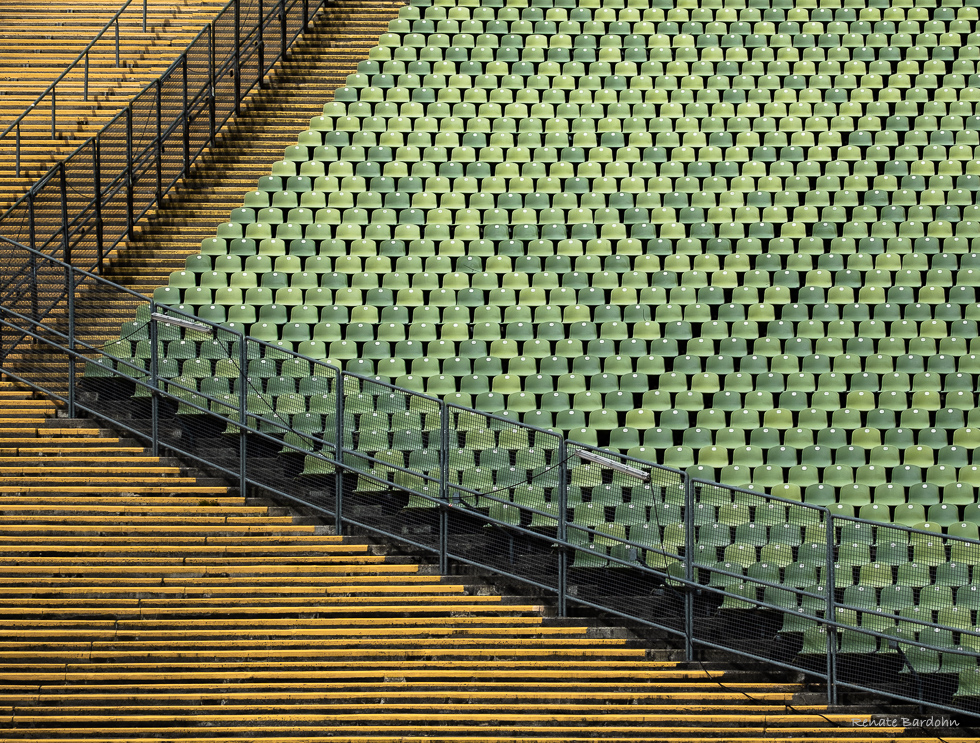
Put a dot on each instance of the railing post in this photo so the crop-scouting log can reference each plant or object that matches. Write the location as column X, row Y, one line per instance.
column 238, row 57
column 65, row 242
column 187, row 124
column 32, row 223
column 144, row 15
column 283, row 42
column 306, row 16
column 562, row 534
column 97, row 189
column 17, row 151
column 70, row 293
column 159, row 138
column 243, row 415
column 443, row 488
column 54, row 112
column 154, row 397
column 212, row 98
column 130, row 185
column 117, row 42
column 830, row 580
column 340, row 385
column 689, row 504
column 260, row 45
column 85, row 83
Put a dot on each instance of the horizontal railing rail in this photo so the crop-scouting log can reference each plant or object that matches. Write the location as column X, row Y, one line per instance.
column 83, row 208
column 529, row 523
column 48, row 99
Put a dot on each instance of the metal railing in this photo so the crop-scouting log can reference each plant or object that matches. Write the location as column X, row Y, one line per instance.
column 859, row 604
column 45, row 106
column 85, row 206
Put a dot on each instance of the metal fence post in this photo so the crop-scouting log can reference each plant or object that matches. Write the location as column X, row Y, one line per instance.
column 85, row 81
column 187, row 122
column 283, row 44
column 32, row 224
column 260, row 45
column 689, row 503
column 306, row 16
column 444, row 488
column 97, row 190
column 830, row 580
column 563, row 529
column 159, row 138
column 154, row 398
column 338, row 494
column 238, row 57
column 54, row 111
column 213, row 97
column 144, row 15
column 243, row 415
column 70, row 293
column 130, row 185
column 65, row 242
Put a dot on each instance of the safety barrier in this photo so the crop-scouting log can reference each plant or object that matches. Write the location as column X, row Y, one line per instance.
column 859, row 604
column 85, row 206
column 45, row 106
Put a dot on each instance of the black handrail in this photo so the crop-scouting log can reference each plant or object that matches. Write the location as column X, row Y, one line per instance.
column 449, row 498
column 51, row 90
column 91, row 202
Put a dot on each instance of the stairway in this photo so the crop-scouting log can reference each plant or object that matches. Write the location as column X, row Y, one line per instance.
column 30, row 62
column 143, row 602
column 271, row 121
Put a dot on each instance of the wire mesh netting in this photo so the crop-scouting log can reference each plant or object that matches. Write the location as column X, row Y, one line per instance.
column 887, row 607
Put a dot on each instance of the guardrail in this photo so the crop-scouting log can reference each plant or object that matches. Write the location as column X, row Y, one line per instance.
column 48, row 100
column 554, row 515
column 85, row 206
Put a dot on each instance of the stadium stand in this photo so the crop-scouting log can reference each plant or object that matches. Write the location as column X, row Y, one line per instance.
column 620, row 224
column 520, row 223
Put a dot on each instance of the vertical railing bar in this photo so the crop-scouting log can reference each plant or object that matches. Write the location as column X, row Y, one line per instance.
column 340, row 385
column 688, row 567
column 443, row 485
column 212, row 72
column 54, row 112
column 130, row 184
column 85, row 83
column 144, row 15
column 830, row 579
column 32, row 226
column 154, row 392
column 17, row 150
column 238, row 57
column 185, row 170
column 159, row 139
column 70, row 293
column 97, row 188
column 242, row 415
column 283, row 41
column 562, row 534
column 117, row 42
column 260, row 45
column 65, row 238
